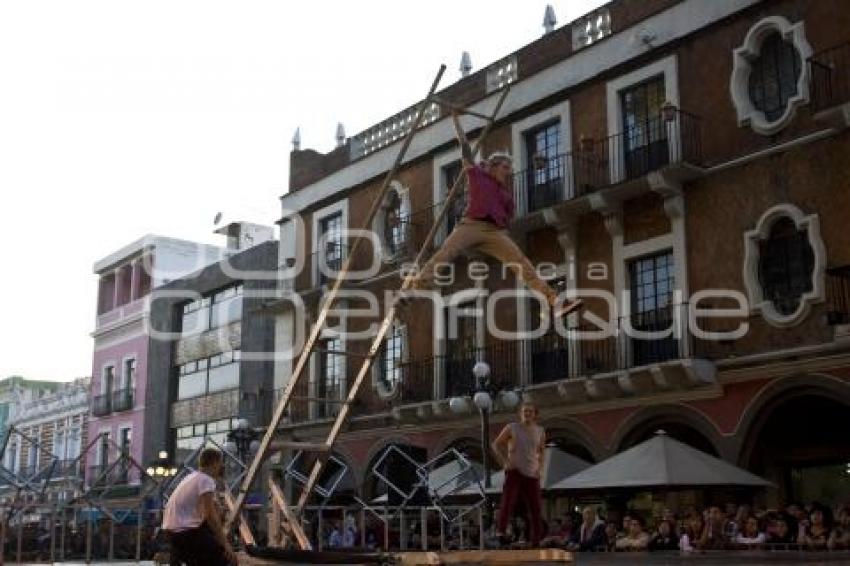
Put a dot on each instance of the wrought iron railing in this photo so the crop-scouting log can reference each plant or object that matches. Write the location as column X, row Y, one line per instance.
column 830, row 72
column 101, row 405
column 838, row 295
column 122, row 399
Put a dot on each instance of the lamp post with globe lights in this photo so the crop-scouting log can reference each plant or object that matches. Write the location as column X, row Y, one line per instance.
column 243, row 440
column 161, row 469
column 483, row 396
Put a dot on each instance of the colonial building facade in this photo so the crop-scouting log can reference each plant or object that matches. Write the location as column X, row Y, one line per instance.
column 51, row 433
column 681, row 165
column 121, row 340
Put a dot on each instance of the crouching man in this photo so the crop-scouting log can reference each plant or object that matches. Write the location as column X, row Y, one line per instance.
column 192, row 517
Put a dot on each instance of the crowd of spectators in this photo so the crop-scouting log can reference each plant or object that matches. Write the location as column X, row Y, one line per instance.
column 814, row 527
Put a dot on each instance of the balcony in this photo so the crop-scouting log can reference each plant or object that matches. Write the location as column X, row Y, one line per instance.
column 830, row 84
column 122, row 400
column 838, row 295
column 101, row 405
column 111, row 475
column 670, row 139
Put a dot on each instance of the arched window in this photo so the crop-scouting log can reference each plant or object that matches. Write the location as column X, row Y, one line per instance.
column 774, row 76
column 769, row 75
column 394, row 232
column 784, row 265
column 786, row 262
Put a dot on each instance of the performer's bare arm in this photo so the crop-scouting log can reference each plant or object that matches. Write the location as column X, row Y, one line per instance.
column 465, row 149
column 500, row 445
column 212, row 515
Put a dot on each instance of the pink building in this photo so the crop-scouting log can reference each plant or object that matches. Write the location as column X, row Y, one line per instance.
column 119, row 363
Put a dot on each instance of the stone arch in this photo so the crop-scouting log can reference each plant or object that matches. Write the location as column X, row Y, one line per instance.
column 679, row 421
column 568, row 433
column 369, row 487
column 777, row 393
column 451, row 438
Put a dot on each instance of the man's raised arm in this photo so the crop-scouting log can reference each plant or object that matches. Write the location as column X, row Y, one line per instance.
column 465, row 149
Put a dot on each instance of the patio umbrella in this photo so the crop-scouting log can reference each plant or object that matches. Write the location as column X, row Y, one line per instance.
column 660, row 462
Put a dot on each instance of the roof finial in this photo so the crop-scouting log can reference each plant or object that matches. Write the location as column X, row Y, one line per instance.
column 549, row 19
column 296, row 140
column 465, row 64
column 340, row 134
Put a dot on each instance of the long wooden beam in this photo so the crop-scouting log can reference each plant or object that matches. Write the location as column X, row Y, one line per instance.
column 319, row 324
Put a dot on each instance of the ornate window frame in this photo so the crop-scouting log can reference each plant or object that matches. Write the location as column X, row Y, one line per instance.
column 384, row 391
column 378, row 224
column 742, row 59
column 758, row 303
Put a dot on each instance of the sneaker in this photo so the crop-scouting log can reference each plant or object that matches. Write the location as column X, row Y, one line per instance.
column 569, row 307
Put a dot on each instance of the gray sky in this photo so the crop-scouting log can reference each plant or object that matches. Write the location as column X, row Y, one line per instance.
column 120, row 118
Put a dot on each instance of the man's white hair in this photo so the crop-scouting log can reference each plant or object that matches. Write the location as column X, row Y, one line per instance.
column 497, row 156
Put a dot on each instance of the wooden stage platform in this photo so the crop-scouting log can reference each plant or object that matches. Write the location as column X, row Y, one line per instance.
column 539, row 557
column 485, row 557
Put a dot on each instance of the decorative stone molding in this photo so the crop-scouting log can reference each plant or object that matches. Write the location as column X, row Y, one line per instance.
column 742, row 61
column 758, row 303
column 385, row 391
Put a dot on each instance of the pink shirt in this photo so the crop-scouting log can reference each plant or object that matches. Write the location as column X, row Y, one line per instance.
column 488, row 199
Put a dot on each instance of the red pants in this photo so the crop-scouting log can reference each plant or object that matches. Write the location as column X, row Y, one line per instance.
column 528, row 489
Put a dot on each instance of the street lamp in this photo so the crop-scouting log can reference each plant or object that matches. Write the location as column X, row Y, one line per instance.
column 243, row 440
column 483, row 396
column 160, row 470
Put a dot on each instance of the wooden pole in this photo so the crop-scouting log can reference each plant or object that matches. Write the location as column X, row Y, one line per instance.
column 303, row 360
column 378, row 340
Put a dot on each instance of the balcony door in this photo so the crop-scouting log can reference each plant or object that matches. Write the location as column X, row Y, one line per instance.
column 645, row 146
column 544, row 177
column 652, row 284
column 331, row 254
column 330, row 378
column 460, row 350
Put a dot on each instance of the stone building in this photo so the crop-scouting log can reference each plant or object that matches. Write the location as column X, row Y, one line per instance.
column 51, row 435
column 210, row 361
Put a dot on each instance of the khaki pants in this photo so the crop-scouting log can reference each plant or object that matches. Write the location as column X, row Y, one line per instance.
column 493, row 241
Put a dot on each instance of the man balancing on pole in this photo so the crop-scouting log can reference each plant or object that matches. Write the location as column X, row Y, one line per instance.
column 489, row 210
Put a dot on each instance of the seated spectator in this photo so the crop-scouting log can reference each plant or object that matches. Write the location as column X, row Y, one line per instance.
column 784, row 530
column 569, row 530
column 554, row 537
column 733, row 520
column 694, row 526
column 840, row 538
column 611, row 536
column 665, row 537
column 816, row 534
column 712, row 535
column 636, row 538
column 751, row 533
column 335, row 537
column 591, row 533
